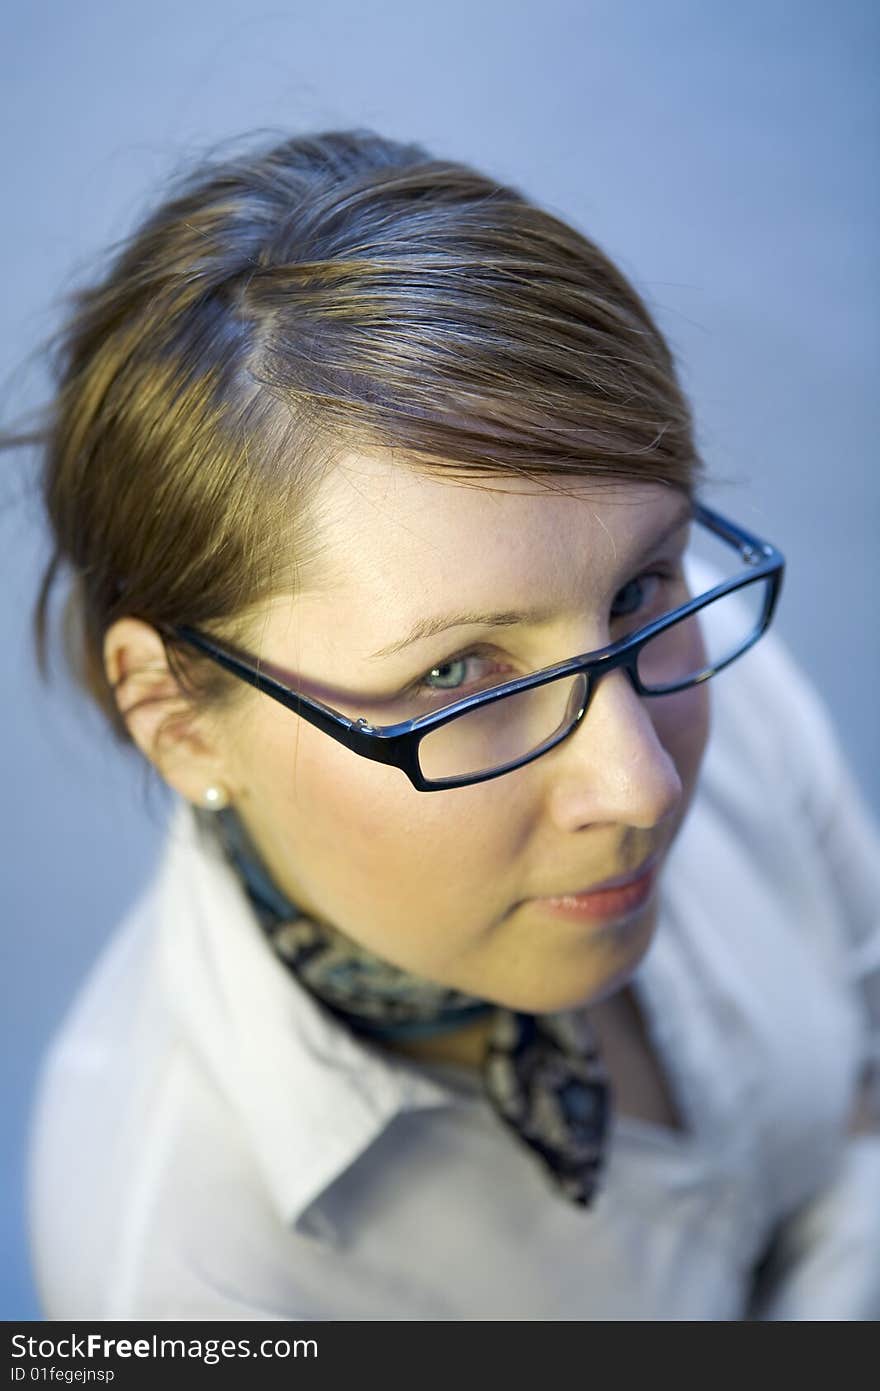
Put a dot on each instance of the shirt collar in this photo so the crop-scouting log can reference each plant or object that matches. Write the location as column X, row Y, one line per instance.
column 311, row 1096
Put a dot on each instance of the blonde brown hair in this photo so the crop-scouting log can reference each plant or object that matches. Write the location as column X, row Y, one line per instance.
column 322, row 292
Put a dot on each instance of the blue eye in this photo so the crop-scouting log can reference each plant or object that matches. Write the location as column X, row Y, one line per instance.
column 449, row 677
column 447, row 666
column 456, row 684
column 635, row 588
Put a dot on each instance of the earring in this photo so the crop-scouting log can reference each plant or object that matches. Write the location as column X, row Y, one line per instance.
column 214, row 798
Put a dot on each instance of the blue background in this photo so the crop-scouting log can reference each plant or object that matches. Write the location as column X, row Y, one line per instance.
column 725, row 156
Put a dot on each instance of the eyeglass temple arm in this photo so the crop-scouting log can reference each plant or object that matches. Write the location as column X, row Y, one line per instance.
column 354, row 734
column 752, row 548
column 320, row 715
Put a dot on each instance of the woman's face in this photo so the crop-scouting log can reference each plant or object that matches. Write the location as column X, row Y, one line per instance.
column 445, row 884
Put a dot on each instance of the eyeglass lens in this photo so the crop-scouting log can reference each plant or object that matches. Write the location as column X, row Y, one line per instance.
column 504, row 732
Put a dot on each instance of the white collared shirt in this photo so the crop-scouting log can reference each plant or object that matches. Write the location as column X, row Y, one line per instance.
column 208, row 1141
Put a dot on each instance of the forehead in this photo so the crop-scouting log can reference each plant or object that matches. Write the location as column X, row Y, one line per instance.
column 388, row 525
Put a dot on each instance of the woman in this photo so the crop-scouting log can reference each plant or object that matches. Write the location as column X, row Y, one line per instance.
column 554, row 1006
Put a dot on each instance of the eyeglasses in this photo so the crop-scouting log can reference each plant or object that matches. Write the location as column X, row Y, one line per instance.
column 494, row 731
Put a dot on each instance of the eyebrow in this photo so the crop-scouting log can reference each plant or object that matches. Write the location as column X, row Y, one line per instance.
column 508, row 618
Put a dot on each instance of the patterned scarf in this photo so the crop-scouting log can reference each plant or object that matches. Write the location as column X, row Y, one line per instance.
column 542, row 1073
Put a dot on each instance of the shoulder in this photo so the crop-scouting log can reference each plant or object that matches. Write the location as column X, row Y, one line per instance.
column 155, row 1209
column 779, row 806
column 144, row 1197
column 192, row 1108
column 125, row 1129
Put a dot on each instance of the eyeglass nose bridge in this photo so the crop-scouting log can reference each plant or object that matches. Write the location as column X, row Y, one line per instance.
column 593, row 670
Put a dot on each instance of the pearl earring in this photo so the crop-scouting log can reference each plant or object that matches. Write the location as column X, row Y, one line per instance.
column 214, row 798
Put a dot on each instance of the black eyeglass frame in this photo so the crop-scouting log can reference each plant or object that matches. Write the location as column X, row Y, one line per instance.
column 398, row 744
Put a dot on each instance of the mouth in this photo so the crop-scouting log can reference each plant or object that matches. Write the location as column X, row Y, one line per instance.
column 621, row 881
column 612, row 901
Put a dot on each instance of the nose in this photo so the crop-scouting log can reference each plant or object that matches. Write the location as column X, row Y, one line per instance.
column 614, row 767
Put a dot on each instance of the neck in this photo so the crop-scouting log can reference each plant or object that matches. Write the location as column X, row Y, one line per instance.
column 465, row 1046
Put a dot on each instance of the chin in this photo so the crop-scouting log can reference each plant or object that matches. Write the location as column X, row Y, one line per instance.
column 616, row 951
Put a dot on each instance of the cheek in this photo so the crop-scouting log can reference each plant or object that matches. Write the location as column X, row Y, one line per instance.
column 407, row 841
column 347, row 832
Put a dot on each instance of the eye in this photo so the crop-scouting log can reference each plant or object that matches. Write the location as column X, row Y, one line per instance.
column 450, row 676
column 633, row 592
column 634, row 602
column 481, row 668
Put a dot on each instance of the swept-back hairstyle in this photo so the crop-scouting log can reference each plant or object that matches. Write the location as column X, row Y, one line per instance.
column 330, row 290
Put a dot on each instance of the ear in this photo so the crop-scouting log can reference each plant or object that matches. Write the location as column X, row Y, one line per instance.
column 147, row 693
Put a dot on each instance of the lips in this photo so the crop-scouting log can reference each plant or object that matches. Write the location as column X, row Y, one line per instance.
column 620, row 882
